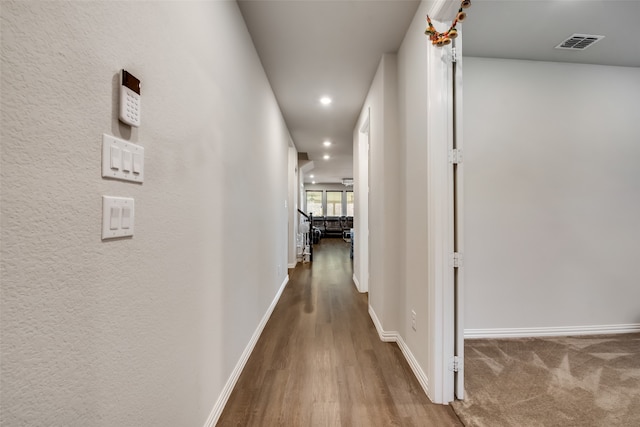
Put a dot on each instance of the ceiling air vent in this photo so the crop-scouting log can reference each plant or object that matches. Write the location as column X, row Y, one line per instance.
column 579, row 42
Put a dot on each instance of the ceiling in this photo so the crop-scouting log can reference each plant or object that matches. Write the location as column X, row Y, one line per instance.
column 313, row 48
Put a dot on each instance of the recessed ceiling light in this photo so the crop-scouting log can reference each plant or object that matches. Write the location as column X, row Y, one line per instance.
column 327, row 143
column 311, row 176
column 325, row 100
column 313, row 182
column 326, row 157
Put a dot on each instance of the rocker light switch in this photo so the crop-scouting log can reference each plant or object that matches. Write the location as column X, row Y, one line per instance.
column 117, row 217
column 114, row 218
column 122, row 160
column 137, row 163
column 126, row 161
column 126, row 218
column 115, row 158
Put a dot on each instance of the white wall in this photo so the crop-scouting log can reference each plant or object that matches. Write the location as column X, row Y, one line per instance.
column 398, row 101
column 386, row 248
column 552, row 195
column 412, row 104
column 143, row 331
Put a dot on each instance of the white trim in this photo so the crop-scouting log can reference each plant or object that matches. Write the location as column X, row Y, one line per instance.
column 439, row 193
column 386, row 336
column 357, row 283
column 361, row 250
column 553, row 331
column 394, row 336
column 421, row 376
column 292, row 265
column 459, row 221
column 365, row 125
column 233, row 379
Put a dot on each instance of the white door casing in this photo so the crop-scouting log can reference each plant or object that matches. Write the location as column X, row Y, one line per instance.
column 440, row 210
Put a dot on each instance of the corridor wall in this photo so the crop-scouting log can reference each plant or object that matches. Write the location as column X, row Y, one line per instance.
column 149, row 330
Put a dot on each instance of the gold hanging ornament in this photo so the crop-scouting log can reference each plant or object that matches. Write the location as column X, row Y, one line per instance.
column 442, row 39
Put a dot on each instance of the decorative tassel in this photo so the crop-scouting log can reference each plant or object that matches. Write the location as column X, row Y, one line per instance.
column 443, row 39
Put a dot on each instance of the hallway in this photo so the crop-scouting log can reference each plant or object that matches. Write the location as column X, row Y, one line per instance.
column 320, row 362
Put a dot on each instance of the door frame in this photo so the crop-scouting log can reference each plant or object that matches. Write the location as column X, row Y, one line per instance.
column 362, row 197
column 458, row 126
column 446, row 331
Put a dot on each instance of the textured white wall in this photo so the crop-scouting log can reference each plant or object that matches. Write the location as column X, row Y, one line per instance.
column 552, row 194
column 412, row 108
column 398, row 201
column 386, row 284
column 393, row 207
column 142, row 331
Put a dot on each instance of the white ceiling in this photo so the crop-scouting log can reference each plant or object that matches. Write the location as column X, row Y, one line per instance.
column 311, row 48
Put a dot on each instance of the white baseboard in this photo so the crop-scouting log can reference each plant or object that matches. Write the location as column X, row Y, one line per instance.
column 421, row 376
column 357, row 283
column 292, row 265
column 233, row 379
column 386, row 336
column 393, row 336
column 554, row 331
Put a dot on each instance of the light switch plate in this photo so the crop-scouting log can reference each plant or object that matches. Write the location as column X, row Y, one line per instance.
column 117, row 217
column 122, row 159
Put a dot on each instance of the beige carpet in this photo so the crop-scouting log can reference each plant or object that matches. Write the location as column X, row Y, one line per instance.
column 567, row 381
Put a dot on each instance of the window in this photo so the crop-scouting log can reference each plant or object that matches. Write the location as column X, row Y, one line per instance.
column 314, row 202
column 334, row 203
column 349, row 203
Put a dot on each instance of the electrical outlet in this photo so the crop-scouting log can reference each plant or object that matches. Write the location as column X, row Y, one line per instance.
column 413, row 320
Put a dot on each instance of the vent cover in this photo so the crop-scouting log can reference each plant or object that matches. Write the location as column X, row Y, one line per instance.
column 579, row 42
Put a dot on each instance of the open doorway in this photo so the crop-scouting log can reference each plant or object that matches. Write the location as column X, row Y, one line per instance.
column 361, row 224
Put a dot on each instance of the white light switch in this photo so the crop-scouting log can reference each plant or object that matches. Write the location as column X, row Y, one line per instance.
column 117, row 217
column 122, row 159
column 126, row 217
column 126, row 161
column 115, row 158
column 114, row 218
column 137, row 163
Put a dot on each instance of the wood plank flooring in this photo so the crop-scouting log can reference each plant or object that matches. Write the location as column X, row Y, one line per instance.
column 319, row 361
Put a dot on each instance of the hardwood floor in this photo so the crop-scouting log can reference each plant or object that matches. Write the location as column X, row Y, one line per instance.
column 319, row 361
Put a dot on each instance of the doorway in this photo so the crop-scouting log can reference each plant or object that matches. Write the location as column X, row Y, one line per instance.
column 361, row 244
